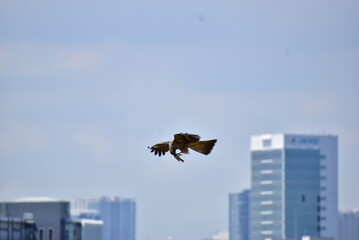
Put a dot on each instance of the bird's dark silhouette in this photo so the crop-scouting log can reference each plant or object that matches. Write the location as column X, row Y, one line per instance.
column 182, row 142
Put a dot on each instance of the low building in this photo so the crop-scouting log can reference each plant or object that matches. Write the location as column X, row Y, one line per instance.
column 83, row 229
column 17, row 229
column 49, row 215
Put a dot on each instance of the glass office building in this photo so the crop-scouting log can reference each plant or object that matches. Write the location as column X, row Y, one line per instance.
column 294, row 186
column 118, row 215
column 239, row 216
column 349, row 225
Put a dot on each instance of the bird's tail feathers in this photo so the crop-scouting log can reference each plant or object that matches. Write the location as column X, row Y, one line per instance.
column 204, row 147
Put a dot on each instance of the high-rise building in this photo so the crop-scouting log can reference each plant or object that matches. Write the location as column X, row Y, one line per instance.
column 239, row 215
column 349, row 225
column 294, row 186
column 118, row 215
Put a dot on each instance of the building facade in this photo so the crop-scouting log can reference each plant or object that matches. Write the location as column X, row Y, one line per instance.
column 49, row 216
column 83, row 229
column 17, row 229
column 118, row 215
column 294, row 186
column 349, row 225
column 239, row 215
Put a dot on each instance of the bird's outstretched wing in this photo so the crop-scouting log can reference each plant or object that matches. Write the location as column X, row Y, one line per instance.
column 160, row 148
column 185, row 138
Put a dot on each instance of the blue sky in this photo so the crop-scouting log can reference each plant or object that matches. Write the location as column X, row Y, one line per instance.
column 85, row 87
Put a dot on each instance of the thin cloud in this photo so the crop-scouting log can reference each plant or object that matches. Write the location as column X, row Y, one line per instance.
column 81, row 60
column 92, row 141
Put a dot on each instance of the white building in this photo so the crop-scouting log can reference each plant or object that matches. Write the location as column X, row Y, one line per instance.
column 316, row 238
column 294, row 186
column 83, row 229
column 221, row 236
column 218, row 236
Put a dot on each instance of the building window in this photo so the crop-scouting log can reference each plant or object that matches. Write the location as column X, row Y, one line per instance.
column 267, row 142
column 51, row 233
column 266, row 161
column 266, row 202
column 267, row 171
column 266, row 182
column 16, row 235
column 16, row 226
column 319, row 208
column 267, row 222
column 75, row 234
column 41, row 234
column 67, row 235
column 3, row 225
column 3, row 234
column 266, row 212
column 266, row 192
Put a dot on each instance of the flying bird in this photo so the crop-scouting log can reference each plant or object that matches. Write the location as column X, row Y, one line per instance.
column 182, row 142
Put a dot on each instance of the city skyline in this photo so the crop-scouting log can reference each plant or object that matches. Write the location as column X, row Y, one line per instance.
column 85, row 87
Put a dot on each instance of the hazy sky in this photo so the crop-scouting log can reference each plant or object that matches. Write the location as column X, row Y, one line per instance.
column 85, row 87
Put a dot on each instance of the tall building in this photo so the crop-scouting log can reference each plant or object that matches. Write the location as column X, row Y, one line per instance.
column 118, row 215
column 239, row 215
column 294, row 186
column 349, row 225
